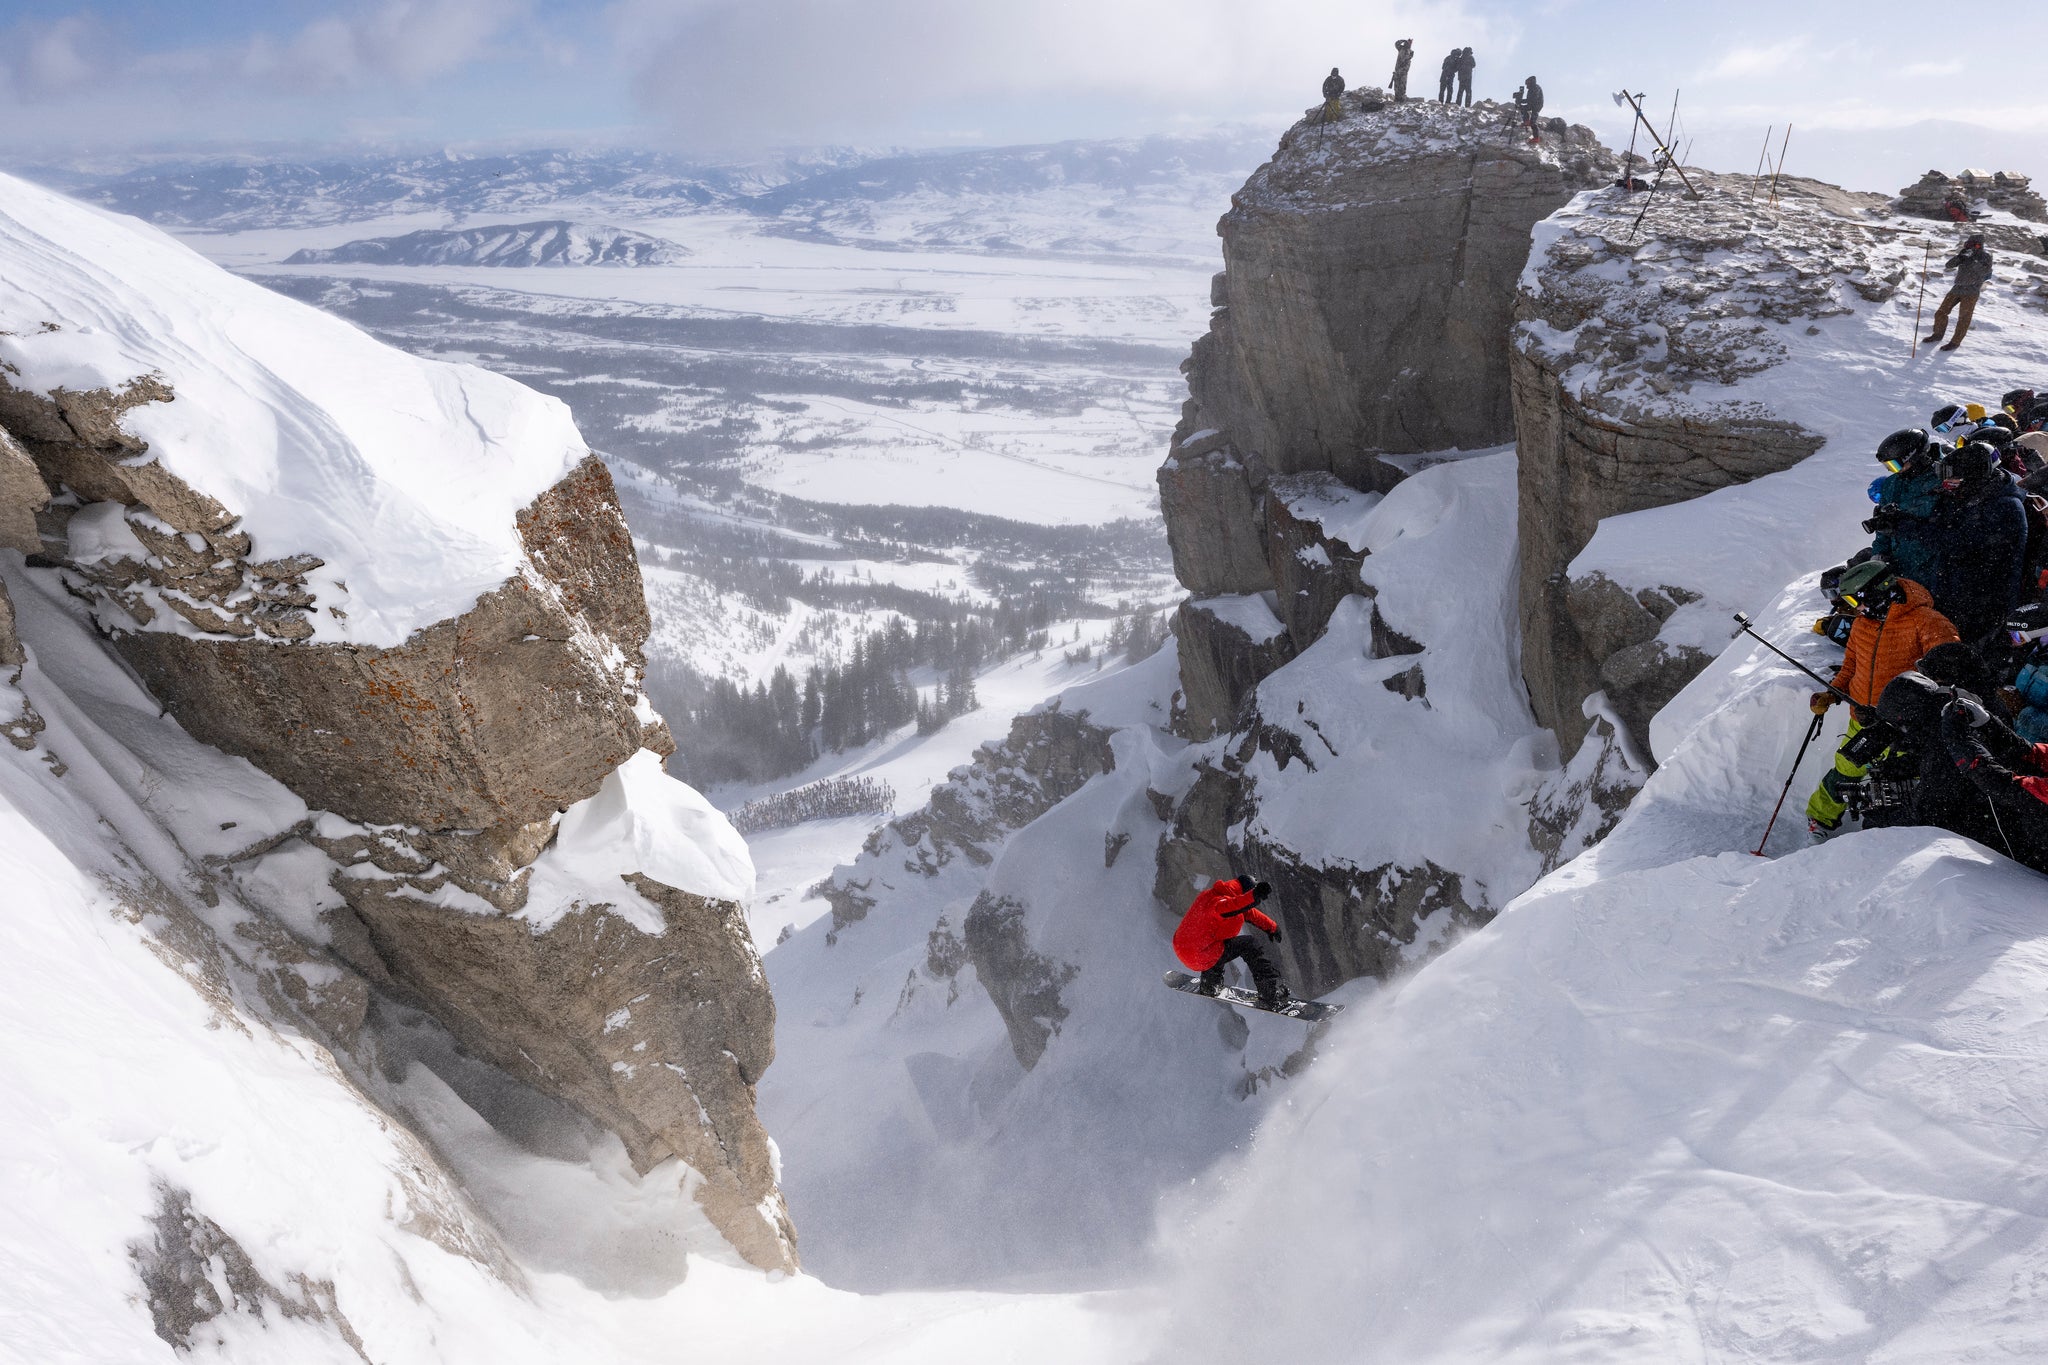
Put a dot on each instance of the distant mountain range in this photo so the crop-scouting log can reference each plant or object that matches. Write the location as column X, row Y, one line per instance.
column 237, row 193
column 511, row 244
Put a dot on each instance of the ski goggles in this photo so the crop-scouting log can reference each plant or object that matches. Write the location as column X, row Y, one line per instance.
column 1959, row 423
column 1893, row 466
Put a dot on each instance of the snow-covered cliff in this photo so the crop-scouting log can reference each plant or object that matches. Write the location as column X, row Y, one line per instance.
column 320, row 670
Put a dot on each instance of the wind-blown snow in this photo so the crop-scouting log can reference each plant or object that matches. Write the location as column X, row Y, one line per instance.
column 404, row 475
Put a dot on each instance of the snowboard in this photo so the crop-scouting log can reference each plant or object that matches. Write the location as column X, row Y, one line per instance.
column 1308, row 1011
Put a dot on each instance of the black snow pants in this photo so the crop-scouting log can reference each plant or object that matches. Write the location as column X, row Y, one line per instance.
column 1265, row 976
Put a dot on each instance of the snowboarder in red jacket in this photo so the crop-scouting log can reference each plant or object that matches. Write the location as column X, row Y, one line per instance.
column 1208, row 938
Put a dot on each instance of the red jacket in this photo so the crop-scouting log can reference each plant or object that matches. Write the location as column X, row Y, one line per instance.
column 1216, row 916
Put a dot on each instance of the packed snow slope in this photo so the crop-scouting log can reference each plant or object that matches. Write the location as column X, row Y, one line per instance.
column 1728, row 1109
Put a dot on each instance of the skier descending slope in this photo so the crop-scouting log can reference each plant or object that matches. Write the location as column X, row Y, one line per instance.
column 1209, row 937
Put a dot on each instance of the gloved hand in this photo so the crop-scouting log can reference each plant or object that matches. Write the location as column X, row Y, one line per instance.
column 1262, row 890
column 2036, row 787
column 1865, row 715
column 1973, row 710
column 1275, row 935
column 1820, row 702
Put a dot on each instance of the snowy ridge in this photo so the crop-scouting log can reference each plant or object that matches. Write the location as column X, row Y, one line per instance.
column 410, row 501
column 555, row 243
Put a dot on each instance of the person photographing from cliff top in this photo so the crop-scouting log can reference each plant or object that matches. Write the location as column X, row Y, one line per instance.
column 1466, row 63
column 1404, row 53
column 1448, row 77
column 1209, row 937
column 1333, row 91
column 1973, row 268
column 1896, row 624
column 1529, row 99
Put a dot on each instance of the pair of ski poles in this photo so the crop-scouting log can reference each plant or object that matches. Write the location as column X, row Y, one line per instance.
column 1812, row 731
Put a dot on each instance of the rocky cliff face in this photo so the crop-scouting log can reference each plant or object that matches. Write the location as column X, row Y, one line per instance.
column 1635, row 356
column 408, row 597
column 1367, row 289
column 1361, row 333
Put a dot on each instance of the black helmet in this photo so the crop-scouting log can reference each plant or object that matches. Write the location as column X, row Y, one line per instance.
column 1912, row 702
column 1903, row 447
column 1976, row 239
column 2017, row 401
column 1972, row 461
column 1995, row 437
column 1948, row 415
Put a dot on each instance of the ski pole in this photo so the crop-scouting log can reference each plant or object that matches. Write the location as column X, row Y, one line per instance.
column 1812, row 734
column 1926, row 255
column 1742, row 619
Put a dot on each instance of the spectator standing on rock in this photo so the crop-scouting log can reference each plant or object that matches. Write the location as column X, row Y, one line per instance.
column 1448, row 77
column 1404, row 53
column 1465, row 65
column 1973, row 267
column 1333, row 91
column 1529, row 99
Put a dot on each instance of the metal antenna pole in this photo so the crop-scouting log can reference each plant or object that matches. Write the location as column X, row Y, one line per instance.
column 1651, row 129
column 1761, row 158
column 1780, row 166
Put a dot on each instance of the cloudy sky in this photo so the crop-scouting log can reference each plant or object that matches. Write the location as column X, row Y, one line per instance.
column 1876, row 91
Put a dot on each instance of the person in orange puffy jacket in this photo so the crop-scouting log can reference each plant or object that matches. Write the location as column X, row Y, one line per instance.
column 1209, row 937
column 1896, row 624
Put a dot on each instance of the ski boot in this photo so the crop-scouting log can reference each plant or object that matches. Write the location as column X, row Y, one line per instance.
column 1210, row 983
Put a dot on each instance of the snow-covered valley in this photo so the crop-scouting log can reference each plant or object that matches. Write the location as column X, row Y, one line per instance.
column 1607, row 1087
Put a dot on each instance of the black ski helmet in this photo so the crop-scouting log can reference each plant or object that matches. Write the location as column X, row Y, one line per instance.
column 1995, row 437
column 1912, row 702
column 1974, row 460
column 1903, row 446
column 2017, row 401
column 1948, row 415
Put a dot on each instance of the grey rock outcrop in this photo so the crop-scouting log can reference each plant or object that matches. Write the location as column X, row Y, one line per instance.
column 2000, row 191
column 1313, row 570
column 1368, row 284
column 659, row 1037
column 22, row 495
column 1048, row 755
column 1212, row 521
column 1023, row 983
column 452, row 753
column 1227, row 645
column 1624, row 348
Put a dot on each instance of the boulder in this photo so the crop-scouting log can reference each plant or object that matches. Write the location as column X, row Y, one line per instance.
column 1023, row 983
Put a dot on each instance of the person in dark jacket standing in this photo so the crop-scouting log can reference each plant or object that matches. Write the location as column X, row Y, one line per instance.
column 1981, row 536
column 1974, row 776
column 1973, row 267
column 1908, row 496
column 1465, row 65
column 1209, row 937
column 1529, row 99
column 1333, row 91
column 1448, row 76
column 1404, row 53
